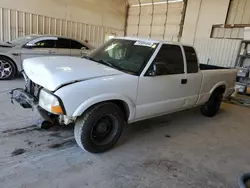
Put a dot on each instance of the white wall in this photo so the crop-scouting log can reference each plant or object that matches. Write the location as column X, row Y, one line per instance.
column 201, row 15
column 108, row 13
column 239, row 12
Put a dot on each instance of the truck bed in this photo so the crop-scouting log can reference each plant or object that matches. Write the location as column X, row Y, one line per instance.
column 210, row 67
column 213, row 77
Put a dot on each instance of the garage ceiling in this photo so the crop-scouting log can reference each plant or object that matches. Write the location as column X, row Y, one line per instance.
column 157, row 19
column 135, row 2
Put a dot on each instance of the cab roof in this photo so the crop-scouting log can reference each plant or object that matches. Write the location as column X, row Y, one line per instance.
column 152, row 40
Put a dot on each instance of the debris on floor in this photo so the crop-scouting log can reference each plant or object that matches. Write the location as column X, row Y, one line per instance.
column 17, row 152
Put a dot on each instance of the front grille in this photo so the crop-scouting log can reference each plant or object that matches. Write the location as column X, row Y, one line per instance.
column 36, row 89
column 32, row 88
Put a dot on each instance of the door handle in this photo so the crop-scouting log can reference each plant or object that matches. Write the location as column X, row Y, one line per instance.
column 184, row 81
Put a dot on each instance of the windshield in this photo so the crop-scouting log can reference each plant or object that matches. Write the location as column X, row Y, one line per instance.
column 22, row 40
column 125, row 55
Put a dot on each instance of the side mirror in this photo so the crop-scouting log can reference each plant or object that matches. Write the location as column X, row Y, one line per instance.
column 158, row 68
column 83, row 48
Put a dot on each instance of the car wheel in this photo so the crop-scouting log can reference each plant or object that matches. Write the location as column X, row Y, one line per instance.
column 98, row 129
column 7, row 69
column 212, row 106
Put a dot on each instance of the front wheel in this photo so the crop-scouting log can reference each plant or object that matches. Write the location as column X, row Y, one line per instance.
column 212, row 106
column 98, row 129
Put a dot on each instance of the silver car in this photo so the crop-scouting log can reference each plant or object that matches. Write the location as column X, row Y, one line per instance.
column 14, row 52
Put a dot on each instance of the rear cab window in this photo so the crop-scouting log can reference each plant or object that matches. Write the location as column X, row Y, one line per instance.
column 191, row 58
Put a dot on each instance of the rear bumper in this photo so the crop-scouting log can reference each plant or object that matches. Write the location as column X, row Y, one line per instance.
column 23, row 98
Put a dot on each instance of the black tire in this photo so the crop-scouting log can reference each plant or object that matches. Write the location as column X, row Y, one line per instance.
column 5, row 64
column 212, row 106
column 98, row 129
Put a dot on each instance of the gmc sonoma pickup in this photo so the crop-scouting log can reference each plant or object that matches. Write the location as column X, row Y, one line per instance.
column 123, row 81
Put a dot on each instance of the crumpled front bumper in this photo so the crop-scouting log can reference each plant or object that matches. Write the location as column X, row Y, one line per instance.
column 23, row 98
column 28, row 101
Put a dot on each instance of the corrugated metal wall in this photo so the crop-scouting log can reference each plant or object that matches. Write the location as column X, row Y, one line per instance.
column 220, row 52
column 147, row 18
column 14, row 24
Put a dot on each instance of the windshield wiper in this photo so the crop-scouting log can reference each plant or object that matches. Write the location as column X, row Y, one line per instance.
column 115, row 66
column 111, row 65
column 87, row 57
column 106, row 63
column 99, row 61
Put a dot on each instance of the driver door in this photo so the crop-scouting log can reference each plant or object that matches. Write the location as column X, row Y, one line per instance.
column 162, row 91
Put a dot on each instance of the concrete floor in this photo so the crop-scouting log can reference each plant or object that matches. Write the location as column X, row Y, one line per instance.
column 181, row 150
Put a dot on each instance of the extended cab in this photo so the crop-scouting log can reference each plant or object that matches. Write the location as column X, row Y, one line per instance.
column 123, row 81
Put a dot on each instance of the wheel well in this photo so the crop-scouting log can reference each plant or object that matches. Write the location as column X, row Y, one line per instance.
column 16, row 69
column 221, row 89
column 123, row 106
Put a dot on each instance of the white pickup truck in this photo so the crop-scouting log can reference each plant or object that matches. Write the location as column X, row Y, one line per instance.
column 123, row 81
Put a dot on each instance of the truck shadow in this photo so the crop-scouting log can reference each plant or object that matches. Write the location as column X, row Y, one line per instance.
column 168, row 125
column 164, row 127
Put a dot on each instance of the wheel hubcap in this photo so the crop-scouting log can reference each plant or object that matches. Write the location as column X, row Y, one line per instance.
column 104, row 130
column 5, row 69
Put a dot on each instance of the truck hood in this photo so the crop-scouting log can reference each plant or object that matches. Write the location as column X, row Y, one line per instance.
column 54, row 72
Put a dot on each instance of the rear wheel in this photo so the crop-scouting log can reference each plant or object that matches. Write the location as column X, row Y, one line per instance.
column 98, row 129
column 212, row 106
column 7, row 69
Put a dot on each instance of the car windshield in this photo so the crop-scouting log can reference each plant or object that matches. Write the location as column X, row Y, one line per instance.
column 22, row 40
column 126, row 55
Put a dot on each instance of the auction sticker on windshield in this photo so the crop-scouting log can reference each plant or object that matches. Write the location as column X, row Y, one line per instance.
column 144, row 43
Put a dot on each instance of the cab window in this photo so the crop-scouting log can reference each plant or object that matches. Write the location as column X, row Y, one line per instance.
column 169, row 60
column 192, row 62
